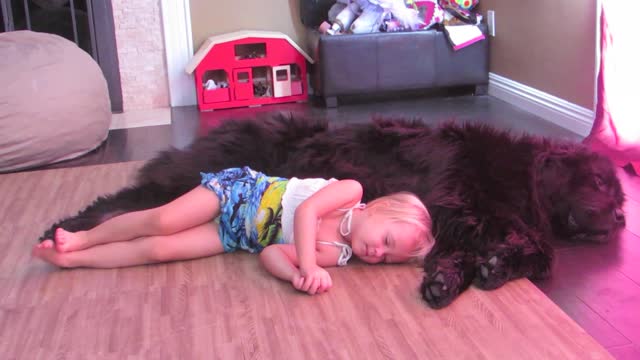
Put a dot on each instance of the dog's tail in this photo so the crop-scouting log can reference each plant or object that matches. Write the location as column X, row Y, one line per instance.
column 134, row 198
column 262, row 144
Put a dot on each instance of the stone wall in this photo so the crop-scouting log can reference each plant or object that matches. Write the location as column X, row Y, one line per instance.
column 141, row 54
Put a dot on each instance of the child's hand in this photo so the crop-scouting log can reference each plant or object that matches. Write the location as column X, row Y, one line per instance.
column 312, row 281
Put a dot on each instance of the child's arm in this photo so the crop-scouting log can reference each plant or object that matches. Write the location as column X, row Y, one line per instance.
column 336, row 195
column 282, row 262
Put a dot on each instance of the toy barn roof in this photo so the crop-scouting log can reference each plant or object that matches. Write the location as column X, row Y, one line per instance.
column 219, row 39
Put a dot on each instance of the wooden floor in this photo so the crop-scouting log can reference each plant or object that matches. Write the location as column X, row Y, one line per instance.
column 81, row 313
column 598, row 285
column 227, row 307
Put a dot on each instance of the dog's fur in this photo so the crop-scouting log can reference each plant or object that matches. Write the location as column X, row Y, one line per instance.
column 496, row 199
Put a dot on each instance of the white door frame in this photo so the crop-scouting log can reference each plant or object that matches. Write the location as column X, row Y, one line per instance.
column 178, row 44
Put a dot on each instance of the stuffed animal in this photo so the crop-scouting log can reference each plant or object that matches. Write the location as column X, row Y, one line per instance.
column 430, row 12
column 464, row 5
column 459, row 12
column 367, row 16
column 336, row 9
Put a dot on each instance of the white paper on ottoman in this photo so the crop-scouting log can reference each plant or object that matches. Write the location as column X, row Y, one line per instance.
column 54, row 101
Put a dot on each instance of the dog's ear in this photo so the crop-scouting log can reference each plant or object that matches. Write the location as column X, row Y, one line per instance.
column 555, row 171
column 553, row 179
column 576, row 167
column 557, row 176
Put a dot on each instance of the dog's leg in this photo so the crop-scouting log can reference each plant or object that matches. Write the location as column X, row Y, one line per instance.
column 518, row 256
column 446, row 276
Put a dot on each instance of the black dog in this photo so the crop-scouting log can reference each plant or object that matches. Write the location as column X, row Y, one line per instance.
column 496, row 199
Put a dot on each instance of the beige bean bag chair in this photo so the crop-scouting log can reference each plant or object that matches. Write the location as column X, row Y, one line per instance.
column 54, row 102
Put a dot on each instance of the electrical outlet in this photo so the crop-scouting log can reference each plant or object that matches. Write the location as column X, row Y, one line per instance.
column 491, row 22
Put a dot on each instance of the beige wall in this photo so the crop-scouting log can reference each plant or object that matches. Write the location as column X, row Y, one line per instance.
column 214, row 17
column 549, row 45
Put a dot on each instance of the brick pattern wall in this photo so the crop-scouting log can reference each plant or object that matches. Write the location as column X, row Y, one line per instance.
column 141, row 54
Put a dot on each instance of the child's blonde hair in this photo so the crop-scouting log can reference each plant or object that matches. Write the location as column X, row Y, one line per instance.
column 406, row 207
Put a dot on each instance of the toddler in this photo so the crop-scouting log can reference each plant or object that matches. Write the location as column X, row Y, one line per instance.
column 299, row 227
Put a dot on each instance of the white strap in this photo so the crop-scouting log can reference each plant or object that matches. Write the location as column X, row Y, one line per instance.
column 345, row 251
column 345, row 223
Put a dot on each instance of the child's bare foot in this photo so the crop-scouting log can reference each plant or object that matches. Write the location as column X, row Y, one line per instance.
column 47, row 252
column 68, row 241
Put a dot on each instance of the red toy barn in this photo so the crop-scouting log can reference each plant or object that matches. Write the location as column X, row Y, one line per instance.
column 247, row 68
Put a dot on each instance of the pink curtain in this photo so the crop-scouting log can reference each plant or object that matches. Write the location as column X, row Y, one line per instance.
column 616, row 129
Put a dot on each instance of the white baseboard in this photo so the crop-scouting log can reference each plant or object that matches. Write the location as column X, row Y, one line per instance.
column 558, row 111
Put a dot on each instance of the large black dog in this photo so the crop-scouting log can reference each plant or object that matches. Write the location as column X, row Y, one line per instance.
column 496, row 199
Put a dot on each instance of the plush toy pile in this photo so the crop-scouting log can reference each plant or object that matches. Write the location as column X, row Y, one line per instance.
column 367, row 16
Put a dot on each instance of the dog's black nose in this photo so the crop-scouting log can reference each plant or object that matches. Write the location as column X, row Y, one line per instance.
column 618, row 215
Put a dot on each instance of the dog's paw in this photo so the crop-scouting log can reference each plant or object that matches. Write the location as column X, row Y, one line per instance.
column 440, row 289
column 491, row 273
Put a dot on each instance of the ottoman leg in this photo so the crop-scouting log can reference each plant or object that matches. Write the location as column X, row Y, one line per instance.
column 331, row 101
column 481, row 90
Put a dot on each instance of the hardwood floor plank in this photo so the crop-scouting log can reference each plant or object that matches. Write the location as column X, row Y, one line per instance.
column 597, row 285
column 617, row 300
column 629, row 256
column 632, row 215
column 630, row 184
column 626, row 352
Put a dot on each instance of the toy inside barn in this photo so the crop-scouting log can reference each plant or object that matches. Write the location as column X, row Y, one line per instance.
column 248, row 68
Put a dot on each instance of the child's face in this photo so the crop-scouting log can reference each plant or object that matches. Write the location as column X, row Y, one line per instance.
column 378, row 239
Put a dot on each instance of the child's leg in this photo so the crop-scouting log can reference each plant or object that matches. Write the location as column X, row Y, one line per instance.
column 197, row 242
column 196, row 207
